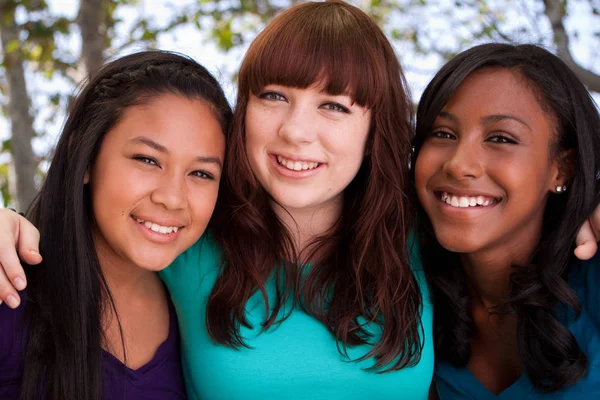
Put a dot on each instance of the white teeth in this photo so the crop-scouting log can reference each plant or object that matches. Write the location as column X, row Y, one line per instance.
column 157, row 228
column 465, row 201
column 297, row 165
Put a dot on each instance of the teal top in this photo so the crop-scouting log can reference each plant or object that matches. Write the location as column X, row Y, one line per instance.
column 584, row 277
column 298, row 359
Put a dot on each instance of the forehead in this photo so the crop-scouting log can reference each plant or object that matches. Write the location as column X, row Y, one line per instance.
column 497, row 91
column 182, row 125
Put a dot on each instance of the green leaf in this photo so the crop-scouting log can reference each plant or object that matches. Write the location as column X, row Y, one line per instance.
column 13, row 46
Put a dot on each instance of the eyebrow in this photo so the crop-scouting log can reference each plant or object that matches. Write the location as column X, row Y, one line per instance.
column 162, row 149
column 150, row 143
column 486, row 119
column 501, row 117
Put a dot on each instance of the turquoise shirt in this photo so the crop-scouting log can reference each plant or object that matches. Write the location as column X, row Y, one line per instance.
column 584, row 278
column 297, row 359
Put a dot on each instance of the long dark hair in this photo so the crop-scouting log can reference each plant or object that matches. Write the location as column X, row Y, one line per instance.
column 549, row 352
column 67, row 291
column 360, row 267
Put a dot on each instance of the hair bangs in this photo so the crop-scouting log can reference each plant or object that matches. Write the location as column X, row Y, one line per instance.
column 328, row 53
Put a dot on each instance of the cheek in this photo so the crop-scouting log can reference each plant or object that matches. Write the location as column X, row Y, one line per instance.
column 425, row 167
column 202, row 203
column 254, row 143
column 259, row 125
column 529, row 185
column 347, row 145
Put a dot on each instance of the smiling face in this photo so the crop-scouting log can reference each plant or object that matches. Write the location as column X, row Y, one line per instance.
column 155, row 181
column 484, row 173
column 305, row 146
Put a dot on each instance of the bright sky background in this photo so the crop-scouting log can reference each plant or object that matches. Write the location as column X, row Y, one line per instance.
column 191, row 41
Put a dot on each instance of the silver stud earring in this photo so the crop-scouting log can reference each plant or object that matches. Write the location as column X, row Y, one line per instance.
column 561, row 189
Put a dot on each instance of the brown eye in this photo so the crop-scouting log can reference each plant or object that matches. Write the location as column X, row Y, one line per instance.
column 203, row 175
column 442, row 135
column 145, row 160
column 501, row 139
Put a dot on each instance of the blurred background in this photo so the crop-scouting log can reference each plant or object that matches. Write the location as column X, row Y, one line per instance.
column 48, row 47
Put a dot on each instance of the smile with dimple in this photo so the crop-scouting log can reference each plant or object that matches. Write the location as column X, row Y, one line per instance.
column 466, row 201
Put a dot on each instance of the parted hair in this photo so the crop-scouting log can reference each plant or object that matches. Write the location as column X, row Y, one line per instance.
column 359, row 270
column 550, row 354
column 67, row 291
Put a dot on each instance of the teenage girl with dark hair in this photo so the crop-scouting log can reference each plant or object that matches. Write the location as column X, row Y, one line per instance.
column 133, row 183
column 507, row 160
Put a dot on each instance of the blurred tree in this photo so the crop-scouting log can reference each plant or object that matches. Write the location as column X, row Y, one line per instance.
column 425, row 32
column 93, row 21
column 428, row 28
column 31, row 42
column 556, row 11
column 17, row 108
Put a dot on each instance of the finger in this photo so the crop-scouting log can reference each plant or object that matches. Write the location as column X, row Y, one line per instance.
column 8, row 293
column 595, row 222
column 12, row 268
column 586, row 242
column 28, row 240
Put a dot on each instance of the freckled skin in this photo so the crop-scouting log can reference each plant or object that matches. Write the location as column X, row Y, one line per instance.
column 307, row 123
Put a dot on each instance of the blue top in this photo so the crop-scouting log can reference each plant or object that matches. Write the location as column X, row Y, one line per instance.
column 584, row 278
column 297, row 359
column 159, row 379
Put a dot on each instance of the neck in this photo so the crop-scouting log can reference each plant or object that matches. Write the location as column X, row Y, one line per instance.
column 488, row 271
column 308, row 223
column 124, row 279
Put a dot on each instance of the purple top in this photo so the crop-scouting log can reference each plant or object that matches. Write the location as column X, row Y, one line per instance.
column 161, row 378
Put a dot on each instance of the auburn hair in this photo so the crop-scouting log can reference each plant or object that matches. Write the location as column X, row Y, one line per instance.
column 359, row 270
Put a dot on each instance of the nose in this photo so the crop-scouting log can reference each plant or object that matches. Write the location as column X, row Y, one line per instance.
column 170, row 193
column 465, row 161
column 298, row 125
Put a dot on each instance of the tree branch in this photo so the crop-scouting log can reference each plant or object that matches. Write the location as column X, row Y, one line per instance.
column 555, row 10
column 93, row 40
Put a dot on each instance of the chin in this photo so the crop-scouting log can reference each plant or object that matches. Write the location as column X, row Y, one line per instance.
column 154, row 264
column 457, row 242
column 289, row 200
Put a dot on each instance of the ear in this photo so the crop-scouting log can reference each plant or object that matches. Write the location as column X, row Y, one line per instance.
column 86, row 177
column 564, row 167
